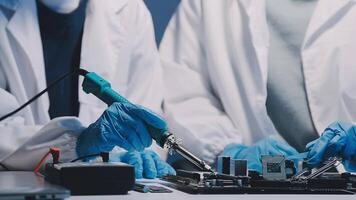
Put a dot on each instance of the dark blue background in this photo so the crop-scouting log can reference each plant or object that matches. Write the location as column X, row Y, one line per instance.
column 161, row 11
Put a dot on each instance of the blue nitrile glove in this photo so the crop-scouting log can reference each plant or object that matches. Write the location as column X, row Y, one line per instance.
column 252, row 154
column 123, row 125
column 339, row 139
column 147, row 163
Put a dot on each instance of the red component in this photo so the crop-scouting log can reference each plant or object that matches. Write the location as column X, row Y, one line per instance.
column 55, row 152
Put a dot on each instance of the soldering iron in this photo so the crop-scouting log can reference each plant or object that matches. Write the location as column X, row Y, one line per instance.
column 96, row 85
column 99, row 87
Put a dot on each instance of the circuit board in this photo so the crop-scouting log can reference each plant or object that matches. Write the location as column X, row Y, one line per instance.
column 314, row 181
column 215, row 184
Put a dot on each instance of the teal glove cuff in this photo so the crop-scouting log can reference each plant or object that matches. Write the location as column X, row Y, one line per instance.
column 350, row 165
column 233, row 150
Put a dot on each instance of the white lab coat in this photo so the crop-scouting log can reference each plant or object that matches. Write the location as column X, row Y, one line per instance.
column 118, row 43
column 215, row 57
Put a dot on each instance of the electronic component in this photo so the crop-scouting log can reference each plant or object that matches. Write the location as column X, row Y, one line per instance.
column 206, row 182
column 273, row 167
column 302, row 164
column 144, row 188
column 273, row 181
column 290, row 168
column 141, row 188
column 238, row 168
column 223, row 165
column 158, row 189
column 331, row 163
column 87, row 178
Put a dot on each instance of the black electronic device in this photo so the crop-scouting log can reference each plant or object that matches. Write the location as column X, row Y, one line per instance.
column 88, row 178
column 273, row 180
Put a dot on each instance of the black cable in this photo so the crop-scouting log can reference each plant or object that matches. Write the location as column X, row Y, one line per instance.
column 4, row 166
column 103, row 155
column 86, row 156
column 81, row 72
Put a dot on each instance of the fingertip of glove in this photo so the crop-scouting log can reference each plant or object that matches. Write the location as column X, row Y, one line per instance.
column 148, row 143
column 310, row 145
column 171, row 170
column 138, row 175
column 150, row 175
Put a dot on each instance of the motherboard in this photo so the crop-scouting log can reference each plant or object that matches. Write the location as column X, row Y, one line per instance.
column 279, row 176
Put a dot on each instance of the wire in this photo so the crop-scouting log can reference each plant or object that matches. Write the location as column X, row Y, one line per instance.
column 4, row 166
column 104, row 156
column 55, row 152
column 80, row 71
column 86, row 156
column 43, row 159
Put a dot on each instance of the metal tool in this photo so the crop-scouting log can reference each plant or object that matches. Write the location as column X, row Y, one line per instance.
column 333, row 162
column 299, row 177
column 96, row 85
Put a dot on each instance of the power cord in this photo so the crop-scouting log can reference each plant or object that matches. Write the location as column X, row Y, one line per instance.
column 4, row 166
column 104, row 156
column 80, row 71
column 55, row 152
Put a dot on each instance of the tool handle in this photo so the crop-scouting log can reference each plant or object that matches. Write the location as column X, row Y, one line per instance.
column 96, row 85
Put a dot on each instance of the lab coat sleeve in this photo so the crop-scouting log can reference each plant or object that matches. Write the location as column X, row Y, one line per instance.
column 22, row 146
column 145, row 77
column 28, row 144
column 192, row 109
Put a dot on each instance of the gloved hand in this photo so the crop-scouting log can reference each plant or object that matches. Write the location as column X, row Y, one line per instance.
column 339, row 139
column 252, row 154
column 123, row 125
column 147, row 163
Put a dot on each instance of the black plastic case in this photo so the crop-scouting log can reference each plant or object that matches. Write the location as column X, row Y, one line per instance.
column 83, row 178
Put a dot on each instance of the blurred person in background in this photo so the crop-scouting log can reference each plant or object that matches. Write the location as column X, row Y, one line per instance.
column 246, row 78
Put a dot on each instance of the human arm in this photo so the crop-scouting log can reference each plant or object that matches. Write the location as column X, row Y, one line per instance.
column 23, row 143
column 192, row 107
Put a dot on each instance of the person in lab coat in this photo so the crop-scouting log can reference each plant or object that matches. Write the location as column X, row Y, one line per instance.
column 239, row 73
column 44, row 39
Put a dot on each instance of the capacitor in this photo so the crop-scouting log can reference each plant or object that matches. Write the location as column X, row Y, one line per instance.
column 238, row 168
column 223, row 165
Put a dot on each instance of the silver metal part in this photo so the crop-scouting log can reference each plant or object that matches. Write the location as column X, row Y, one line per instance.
column 238, row 168
column 173, row 143
column 223, row 165
column 299, row 177
column 273, row 167
column 333, row 162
